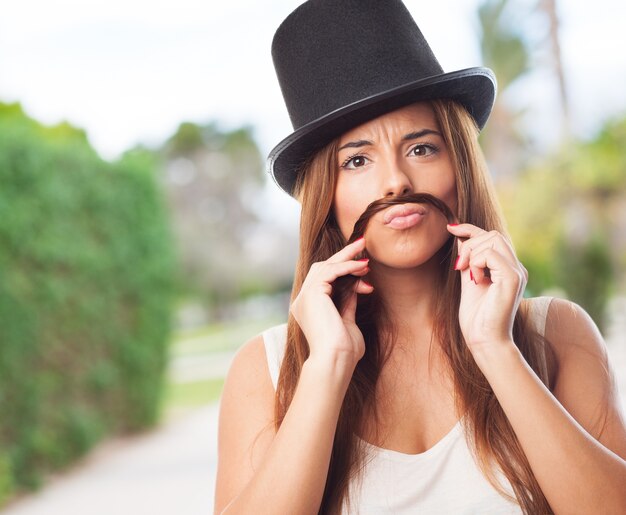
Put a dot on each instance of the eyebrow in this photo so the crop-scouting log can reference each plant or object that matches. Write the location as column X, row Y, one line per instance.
column 406, row 137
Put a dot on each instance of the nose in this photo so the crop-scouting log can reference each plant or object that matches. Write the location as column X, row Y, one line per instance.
column 396, row 182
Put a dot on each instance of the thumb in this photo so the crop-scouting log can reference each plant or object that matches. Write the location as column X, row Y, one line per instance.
column 348, row 313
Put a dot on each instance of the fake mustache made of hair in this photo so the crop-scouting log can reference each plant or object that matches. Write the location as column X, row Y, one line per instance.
column 344, row 285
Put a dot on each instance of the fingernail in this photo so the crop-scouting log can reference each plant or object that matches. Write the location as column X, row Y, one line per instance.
column 363, row 259
column 456, row 263
column 366, row 283
column 472, row 276
column 453, row 225
column 359, row 239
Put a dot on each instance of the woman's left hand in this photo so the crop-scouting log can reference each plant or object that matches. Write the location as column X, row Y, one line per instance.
column 492, row 285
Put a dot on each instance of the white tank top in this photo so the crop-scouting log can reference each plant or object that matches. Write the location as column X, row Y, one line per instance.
column 442, row 480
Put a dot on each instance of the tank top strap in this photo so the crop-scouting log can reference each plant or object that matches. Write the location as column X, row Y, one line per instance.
column 275, row 340
column 538, row 313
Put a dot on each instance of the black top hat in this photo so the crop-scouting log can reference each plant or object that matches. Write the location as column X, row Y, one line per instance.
column 341, row 63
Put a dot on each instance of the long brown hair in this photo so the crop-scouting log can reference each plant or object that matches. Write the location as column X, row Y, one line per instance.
column 487, row 429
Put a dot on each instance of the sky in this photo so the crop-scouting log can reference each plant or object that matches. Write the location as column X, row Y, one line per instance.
column 130, row 71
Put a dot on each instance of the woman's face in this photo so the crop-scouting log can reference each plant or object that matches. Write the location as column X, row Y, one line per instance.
column 397, row 153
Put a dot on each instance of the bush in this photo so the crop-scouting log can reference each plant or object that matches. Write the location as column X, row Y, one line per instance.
column 565, row 214
column 86, row 267
column 587, row 275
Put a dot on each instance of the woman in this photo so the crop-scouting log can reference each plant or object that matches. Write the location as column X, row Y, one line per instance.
column 433, row 387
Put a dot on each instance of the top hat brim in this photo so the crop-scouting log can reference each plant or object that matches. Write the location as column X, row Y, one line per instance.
column 474, row 88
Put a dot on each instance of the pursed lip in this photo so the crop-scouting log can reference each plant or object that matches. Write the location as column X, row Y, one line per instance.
column 403, row 211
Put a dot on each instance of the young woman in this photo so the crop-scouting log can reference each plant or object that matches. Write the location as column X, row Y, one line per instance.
column 433, row 386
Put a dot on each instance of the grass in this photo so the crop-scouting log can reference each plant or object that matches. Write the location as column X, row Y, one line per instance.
column 218, row 337
column 192, row 394
column 182, row 397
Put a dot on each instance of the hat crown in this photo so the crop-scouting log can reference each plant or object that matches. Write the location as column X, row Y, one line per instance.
column 332, row 53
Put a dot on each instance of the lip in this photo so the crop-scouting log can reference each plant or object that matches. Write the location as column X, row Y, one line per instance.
column 404, row 216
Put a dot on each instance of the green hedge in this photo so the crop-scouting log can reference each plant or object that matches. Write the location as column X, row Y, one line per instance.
column 86, row 290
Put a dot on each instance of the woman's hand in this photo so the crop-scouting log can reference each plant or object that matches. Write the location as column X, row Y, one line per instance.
column 492, row 285
column 330, row 334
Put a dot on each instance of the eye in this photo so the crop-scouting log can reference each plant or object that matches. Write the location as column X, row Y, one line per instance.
column 423, row 149
column 354, row 162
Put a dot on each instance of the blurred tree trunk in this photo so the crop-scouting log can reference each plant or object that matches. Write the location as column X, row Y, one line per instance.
column 505, row 51
column 550, row 9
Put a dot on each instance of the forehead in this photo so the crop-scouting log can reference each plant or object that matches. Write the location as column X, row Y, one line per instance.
column 411, row 117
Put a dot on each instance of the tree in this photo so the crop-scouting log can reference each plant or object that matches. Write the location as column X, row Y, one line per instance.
column 567, row 216
column 550, row 10
column 506, row 52
column 214, row 181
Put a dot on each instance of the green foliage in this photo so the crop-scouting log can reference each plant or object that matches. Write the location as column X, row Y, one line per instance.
column 564, row 215
column 86, row 286
column 502, row 44
column 586, row 274
column 187, row 139
column 183, row 396
column 535, row 224
column 600, row 167
column 6, row 479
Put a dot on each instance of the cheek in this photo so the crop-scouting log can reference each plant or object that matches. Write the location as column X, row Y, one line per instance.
column 347, row 212
column 348, row 206
column 446, row 191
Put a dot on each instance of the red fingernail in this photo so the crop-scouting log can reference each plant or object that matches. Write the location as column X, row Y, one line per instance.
column 363, row 259
column 366, row 283
column 359, row 239
column 472, row 276
column 456, row 263
column 453, row 225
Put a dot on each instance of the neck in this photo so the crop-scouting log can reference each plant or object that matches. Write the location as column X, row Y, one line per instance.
column 408, row 296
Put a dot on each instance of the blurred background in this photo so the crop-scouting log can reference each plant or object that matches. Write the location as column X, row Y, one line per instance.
column 141, row 241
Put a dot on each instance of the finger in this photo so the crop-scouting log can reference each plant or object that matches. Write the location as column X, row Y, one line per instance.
column 479, row 239
column 329, row 272
column 500, row 269
column 363, row 287
column 465, row 230
column 348, row 313
column 501, row 240
column 361, row 273
column 348, row 252
column 479, row 261
column 491, row 240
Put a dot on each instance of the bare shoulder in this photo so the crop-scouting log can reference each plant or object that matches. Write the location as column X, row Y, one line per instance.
column 571, row 331
column 585, row 382
column 249, row 370
column 246, row 420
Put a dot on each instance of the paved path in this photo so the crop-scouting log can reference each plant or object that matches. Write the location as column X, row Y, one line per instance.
column 170, row 471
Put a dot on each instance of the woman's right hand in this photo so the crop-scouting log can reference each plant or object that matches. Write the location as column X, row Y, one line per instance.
column 332, row 335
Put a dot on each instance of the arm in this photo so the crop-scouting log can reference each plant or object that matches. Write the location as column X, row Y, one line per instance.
column 574, row 439
column 260, row 471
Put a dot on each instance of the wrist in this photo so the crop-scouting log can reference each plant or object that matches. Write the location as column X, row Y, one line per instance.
column 495, row 355
column 335, row 370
